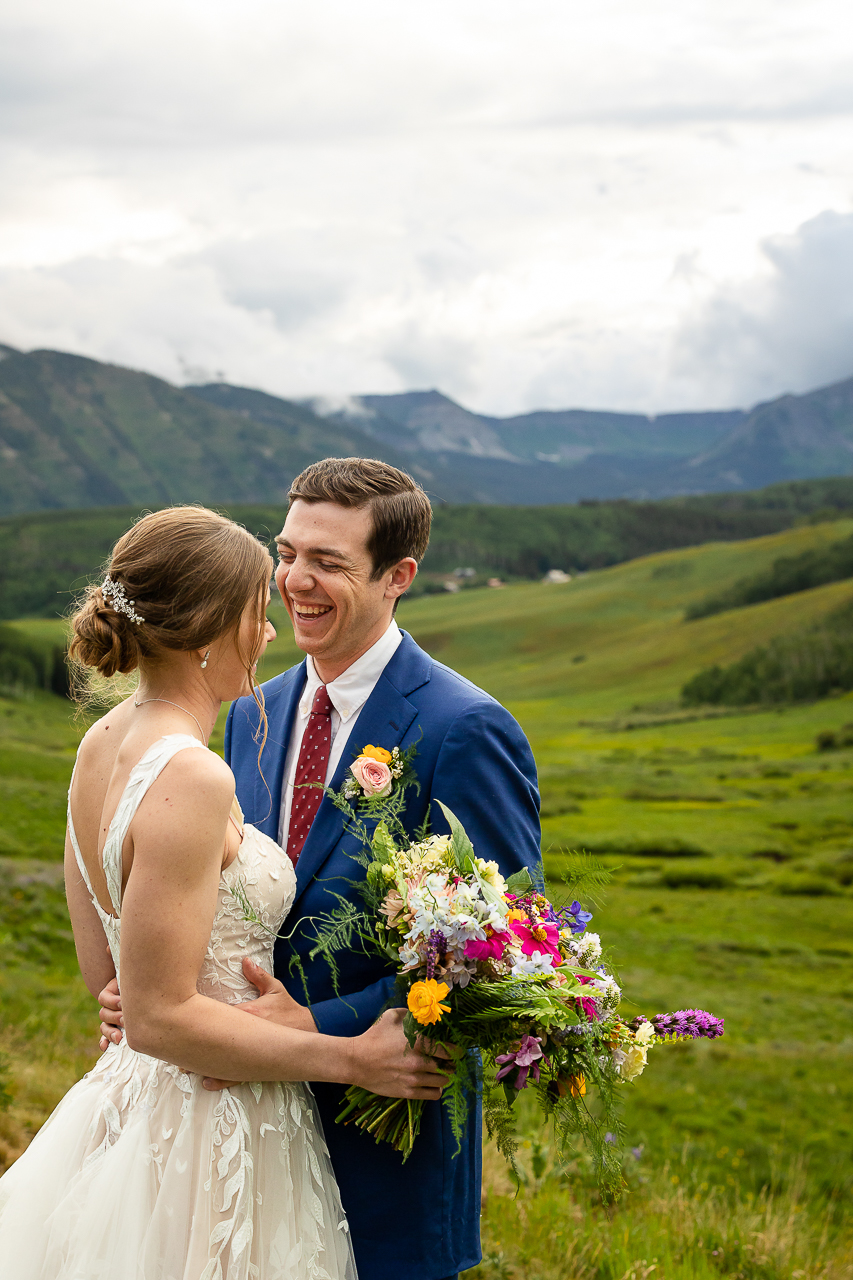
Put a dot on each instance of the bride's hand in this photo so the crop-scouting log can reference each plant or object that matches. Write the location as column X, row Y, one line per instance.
column 385, row 1063
column 274, row 1004
column 112, row 1019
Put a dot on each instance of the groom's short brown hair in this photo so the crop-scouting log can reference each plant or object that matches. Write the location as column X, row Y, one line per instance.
column 401, row 511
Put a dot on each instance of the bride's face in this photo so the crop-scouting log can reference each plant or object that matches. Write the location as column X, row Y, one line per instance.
column 229, row 655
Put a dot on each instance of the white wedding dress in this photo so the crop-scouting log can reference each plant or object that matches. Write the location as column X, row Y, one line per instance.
column 140, row 1173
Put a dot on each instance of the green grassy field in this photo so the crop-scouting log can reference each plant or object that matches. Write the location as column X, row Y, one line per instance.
column 730, row 837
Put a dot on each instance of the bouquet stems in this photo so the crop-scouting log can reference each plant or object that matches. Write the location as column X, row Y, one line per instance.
column 394, row 1120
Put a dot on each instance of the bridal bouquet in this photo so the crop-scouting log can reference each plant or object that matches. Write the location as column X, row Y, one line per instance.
column 489, row 964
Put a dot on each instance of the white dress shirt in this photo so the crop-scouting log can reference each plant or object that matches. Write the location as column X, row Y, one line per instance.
column 348, row 695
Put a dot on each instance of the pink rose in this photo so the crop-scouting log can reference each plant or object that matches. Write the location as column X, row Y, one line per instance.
column 372, row 776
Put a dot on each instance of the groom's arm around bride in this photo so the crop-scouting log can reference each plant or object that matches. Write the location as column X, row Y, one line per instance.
column 354, row 533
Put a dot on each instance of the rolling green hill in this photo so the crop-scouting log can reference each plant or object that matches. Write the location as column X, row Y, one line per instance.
column 47, row 557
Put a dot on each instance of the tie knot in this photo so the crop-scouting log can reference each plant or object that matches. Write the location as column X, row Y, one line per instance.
column 322, row 704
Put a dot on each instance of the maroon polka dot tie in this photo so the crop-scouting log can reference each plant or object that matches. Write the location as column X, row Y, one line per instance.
column 310, row 767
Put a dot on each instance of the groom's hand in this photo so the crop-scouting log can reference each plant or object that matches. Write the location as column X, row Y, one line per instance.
column 274, row 1004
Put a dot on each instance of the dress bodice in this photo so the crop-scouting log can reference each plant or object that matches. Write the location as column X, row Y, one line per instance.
column 255, row 891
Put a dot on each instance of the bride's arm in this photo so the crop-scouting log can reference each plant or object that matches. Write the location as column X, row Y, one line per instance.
column 90, row 941
column 167, row 911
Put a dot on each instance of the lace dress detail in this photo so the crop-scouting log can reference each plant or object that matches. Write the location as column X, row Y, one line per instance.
column 140, row 1173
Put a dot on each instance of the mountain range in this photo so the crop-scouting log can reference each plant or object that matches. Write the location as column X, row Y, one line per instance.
column 77, row 433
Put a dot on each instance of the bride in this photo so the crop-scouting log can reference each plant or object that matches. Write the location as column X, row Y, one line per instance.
column 141, row 1172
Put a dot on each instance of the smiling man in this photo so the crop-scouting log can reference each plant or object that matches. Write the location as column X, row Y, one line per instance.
column 354, row 534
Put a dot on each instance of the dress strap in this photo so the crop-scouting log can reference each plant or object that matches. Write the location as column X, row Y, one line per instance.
column 142, row 775
column 72, row 835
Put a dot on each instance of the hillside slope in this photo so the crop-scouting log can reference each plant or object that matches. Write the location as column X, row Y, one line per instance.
column 46, row 557
column 76, row 433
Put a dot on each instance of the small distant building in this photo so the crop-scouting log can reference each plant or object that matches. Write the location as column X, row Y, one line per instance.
column 450, row 585
column 494, row 582
column 557, row 575
column 464, row 573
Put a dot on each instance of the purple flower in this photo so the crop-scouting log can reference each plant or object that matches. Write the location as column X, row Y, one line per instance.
column 436, row 949
column 582, row 918
column 611, row 1138
column 525, row 1059
column 688, row 1022
column 637, row 1152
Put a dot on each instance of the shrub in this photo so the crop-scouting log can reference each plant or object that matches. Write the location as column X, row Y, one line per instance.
column 804, row 665
column 806, row 887
column 694, row 878
column 26, row 664
column 787, row 575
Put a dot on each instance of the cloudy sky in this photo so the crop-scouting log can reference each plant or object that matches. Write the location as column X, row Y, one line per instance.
column 632, row 204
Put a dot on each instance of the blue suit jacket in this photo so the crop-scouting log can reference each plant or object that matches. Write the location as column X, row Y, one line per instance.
column 418, row 1220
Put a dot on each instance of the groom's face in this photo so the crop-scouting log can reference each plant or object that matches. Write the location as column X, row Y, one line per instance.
column 324, row 575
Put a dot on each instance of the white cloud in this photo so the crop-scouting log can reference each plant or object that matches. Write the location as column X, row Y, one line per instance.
column 788, row 329
column 544, row 205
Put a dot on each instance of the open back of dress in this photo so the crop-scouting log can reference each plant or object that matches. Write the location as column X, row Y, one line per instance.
column 140, row 1173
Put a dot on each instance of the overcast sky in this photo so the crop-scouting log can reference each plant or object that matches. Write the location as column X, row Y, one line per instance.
column 632, row 204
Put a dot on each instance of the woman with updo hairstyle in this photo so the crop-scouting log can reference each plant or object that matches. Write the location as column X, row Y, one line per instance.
column 148, row 1170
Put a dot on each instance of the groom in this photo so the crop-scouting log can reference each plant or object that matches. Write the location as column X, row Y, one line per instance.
column 354, row 534
column 349, row 549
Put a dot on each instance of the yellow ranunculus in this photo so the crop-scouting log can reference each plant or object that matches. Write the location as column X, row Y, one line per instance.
column 377, row 753
column 424, row 1001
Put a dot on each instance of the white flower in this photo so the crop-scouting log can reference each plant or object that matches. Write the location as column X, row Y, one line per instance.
column 537, row 963
column 490, row 871
column 606, row 989
column 629, row 1062
column 588, row 949
column 410, row 957
column 644, row 1034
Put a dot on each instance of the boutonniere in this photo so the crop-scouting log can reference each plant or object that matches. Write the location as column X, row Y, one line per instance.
column 377, row 774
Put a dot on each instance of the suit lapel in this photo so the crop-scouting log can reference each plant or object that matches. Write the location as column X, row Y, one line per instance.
column 383, row 721
column 281, row 707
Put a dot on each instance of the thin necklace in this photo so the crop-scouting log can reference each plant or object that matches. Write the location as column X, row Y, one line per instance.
column 145, row 701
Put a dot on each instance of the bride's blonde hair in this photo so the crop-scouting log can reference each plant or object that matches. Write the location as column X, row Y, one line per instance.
column 189, row 574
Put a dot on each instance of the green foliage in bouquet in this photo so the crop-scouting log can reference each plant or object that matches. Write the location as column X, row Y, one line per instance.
column 510, row 987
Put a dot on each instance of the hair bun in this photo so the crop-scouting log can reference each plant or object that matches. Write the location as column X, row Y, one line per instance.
column 103, row 637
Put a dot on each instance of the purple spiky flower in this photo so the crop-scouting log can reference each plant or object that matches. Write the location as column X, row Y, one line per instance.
column 693, row 1023
column 436, row 948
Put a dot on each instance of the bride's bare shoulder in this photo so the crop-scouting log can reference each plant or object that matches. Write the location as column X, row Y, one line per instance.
column 102, row 742
column 198, row 777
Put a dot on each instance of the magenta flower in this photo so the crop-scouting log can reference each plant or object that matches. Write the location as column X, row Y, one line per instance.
column 491, row 948
column 587, row 1003
column 532, row 939
column 525, row 1059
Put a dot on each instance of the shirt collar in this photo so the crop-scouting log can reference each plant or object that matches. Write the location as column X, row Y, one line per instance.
column 351, row 689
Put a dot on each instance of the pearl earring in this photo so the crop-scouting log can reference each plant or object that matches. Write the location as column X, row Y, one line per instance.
column 204, row 662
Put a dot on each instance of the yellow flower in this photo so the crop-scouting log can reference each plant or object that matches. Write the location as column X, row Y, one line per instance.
column 377, row 753
column 575, row 1085
column 515, row 914
column 424, row 1001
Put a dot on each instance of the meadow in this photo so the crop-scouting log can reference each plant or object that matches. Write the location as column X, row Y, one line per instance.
column 730, row 838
